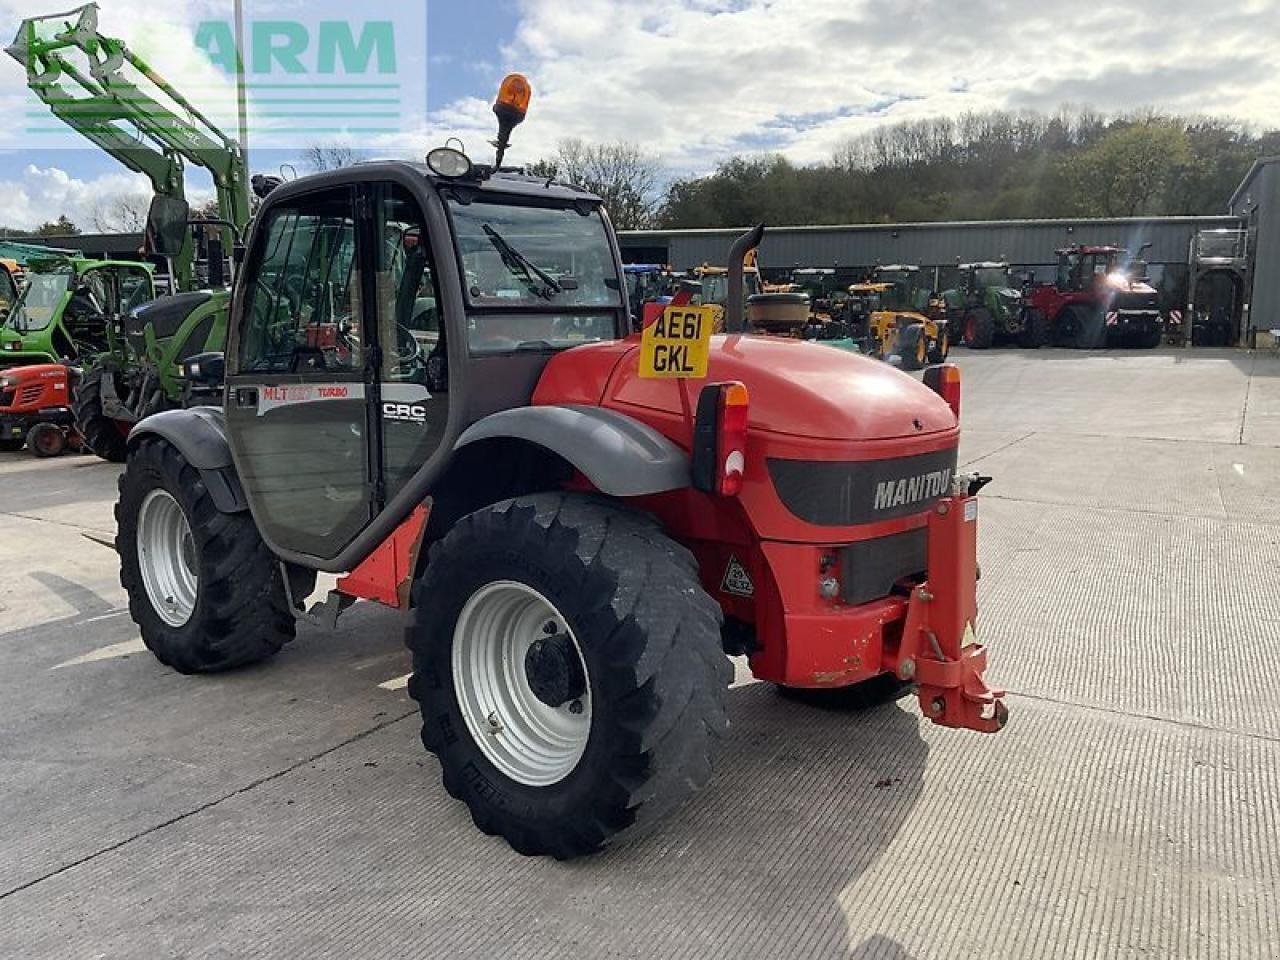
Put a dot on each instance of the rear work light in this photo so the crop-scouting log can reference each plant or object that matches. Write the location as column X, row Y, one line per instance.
column 944, row 380
column 720, row 439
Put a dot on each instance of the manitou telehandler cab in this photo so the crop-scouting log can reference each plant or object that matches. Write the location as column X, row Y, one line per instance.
column 580, row 530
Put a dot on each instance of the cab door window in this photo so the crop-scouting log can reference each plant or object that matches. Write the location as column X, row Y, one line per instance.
column 304, row 304
column 296, row 393
column 413, row 377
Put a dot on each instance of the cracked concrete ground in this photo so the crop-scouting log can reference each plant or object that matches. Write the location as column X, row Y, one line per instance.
column 1130, row 809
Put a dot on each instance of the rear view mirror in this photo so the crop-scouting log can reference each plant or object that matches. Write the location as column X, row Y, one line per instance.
column 167, row 226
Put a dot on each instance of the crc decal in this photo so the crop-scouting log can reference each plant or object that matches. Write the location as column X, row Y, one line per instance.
column 736, row 580
column 404, row 412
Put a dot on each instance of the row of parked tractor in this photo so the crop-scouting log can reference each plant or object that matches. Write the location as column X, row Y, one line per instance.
column 1100, row 297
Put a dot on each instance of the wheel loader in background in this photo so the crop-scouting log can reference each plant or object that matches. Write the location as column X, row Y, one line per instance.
column 986, row 308
column 581, row 527
column 897, row 319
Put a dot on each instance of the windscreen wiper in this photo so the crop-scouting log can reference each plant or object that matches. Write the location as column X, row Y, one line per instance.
column 521, row 265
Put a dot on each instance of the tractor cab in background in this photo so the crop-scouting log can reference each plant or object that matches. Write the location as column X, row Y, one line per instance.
column 71, row 307
column 648, row 283
column 10, row 274
column 1100, row 297
column 986, row 308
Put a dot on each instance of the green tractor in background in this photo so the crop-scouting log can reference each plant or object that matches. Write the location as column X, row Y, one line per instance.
column 988, row 309
column 70, row 308
column 97, row 86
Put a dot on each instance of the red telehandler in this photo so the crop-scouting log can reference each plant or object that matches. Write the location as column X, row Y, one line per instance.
column 433, row 386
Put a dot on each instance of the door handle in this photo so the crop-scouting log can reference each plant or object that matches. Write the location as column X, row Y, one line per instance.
column 246, row 397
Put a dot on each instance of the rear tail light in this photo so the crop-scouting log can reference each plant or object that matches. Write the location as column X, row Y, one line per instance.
column 944, row 380
column 720, row 439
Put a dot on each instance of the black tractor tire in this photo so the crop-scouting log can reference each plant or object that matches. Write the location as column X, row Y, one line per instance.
column 941, row 347
column 864, row 695
column 241, row 613
column 46, row 440
column 648, row 648
column 106, row 437
column 979, row 329
column 1149, row 339
column 1035, row 330
column 12, row 444
column 1084, row 328
column 913, row 347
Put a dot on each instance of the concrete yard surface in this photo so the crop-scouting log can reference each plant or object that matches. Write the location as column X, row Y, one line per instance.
column 1131, row 808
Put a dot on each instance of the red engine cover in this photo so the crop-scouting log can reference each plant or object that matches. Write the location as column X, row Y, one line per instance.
column 37, row 387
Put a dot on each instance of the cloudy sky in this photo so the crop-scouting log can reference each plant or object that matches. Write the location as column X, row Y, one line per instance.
column 698, row 80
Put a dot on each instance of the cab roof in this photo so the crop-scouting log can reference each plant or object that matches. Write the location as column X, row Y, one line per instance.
column 506, row 182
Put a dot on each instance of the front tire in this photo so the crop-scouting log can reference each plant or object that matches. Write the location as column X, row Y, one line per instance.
column 203, row 588
column 106, row 437
column 569, row 670
column 941, row 347
column 1035, row 330
column 979, row 329
column 46, row 440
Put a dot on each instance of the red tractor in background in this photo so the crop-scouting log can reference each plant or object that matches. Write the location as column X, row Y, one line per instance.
column 583, row 518
column 35, row 409
column 1100, row 297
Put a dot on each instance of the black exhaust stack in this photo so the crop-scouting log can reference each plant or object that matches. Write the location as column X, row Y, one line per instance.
column 735, row 311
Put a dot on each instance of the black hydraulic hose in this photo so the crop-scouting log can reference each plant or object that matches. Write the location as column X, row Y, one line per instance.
column 735, row 311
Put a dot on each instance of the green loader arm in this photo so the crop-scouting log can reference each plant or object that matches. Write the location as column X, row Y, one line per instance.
column 138, row 129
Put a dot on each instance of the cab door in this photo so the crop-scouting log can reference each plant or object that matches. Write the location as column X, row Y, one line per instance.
column 297, row 399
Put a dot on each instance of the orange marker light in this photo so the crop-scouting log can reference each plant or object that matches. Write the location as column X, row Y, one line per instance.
column 514, row 95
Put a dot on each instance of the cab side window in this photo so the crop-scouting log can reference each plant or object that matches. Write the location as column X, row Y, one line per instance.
column 303, row 295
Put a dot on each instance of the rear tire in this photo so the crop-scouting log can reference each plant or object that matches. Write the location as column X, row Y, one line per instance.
column 46, row 440
column 106, row 437
column 1035, row 330
column 1150, row 339
column 203, row 588
column 639, row 652
column 913, row 347
column 1085, row 329
column 979, row 329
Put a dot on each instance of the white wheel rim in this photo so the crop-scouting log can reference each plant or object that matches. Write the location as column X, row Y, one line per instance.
column 528, row 740
column 167, row 558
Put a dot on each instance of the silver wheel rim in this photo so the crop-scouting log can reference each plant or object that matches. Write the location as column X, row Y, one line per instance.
column 526, row 739
column 167, row 558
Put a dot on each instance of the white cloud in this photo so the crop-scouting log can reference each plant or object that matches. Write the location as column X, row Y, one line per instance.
column 698, row 80
column 38, row 194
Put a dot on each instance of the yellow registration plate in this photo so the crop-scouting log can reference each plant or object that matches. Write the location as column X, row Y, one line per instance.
column 677, row 344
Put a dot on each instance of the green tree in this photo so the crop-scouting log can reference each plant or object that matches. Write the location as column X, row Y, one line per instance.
column 62, row 227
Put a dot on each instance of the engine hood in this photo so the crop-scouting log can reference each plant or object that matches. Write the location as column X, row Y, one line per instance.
column 798, row 388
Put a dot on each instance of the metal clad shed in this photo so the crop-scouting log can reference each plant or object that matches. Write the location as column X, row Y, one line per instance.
column 1257, row 202
column 1023, row 242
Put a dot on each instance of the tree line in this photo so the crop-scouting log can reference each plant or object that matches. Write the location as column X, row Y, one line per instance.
column 980, row 166
column 996, row 165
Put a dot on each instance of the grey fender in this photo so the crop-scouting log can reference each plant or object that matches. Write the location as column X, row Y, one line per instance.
column 621, row 457
column 200, row 434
